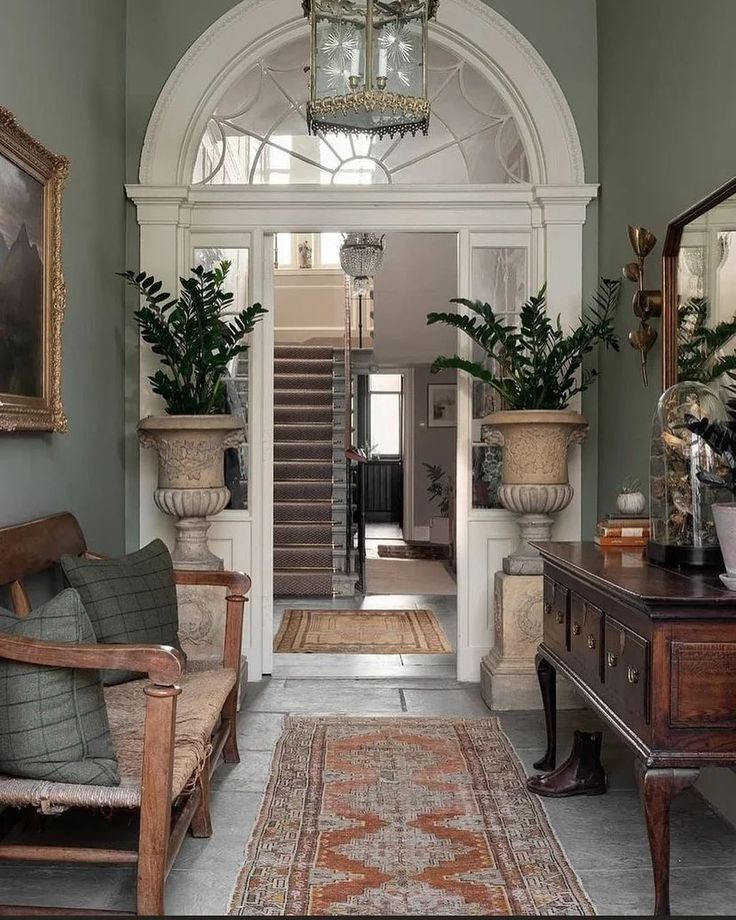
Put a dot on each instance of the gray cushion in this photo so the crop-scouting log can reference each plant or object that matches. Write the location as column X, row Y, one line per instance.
column 131, row 599
column 53, row 721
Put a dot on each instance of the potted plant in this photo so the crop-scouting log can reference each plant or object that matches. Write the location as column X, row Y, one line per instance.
column 195, row 344
column 440, row 492
column 536, row 368
column 630, row 499
column 721, row 438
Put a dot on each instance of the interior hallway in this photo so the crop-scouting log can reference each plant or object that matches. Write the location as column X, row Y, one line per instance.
column 384, row 575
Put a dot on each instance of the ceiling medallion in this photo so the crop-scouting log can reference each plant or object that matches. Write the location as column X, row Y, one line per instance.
column 368, row 66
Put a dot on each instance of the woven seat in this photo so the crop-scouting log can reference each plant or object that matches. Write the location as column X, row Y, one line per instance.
column 204, row 691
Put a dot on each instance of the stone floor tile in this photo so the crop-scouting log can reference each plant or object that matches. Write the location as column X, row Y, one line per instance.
column 465, row 703
column 233, row 815
column 608, row 832
column 259, row 731
column 250, row 775
column 91, row 887
column 322, row 699
column 429, row 660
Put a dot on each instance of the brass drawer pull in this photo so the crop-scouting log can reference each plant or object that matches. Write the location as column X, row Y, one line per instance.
column 547, row 608
column 591, row 642
column 632, row 675
column 612, row 660
column 560, row 617
column 576, row 629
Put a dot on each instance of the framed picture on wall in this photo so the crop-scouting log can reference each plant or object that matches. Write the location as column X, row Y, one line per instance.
column 31, row 281
column 441, row 405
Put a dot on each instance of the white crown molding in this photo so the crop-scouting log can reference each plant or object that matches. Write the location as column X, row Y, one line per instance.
column 472, row 28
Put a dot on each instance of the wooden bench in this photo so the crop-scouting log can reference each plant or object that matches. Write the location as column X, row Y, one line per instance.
column 166, row 764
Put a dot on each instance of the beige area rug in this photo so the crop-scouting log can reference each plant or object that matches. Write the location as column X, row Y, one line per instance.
column 399, row 817
column 370, row 632
column 407, row 576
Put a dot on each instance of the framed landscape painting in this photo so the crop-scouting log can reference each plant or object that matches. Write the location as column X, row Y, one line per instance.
column 31, row 281
column 441, row 405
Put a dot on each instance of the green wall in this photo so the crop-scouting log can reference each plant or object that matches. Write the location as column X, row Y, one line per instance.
column 564, row 33
column 667, row 138
column 62, row 75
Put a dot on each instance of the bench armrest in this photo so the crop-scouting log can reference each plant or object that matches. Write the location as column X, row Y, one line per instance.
column 163, row 664
column 237, row 583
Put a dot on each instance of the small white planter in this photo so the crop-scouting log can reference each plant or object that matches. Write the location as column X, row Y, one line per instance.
column 725, row 519
column 632, row 503
column 439, row 531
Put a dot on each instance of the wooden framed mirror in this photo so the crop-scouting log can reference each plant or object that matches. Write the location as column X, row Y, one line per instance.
column 699, row 288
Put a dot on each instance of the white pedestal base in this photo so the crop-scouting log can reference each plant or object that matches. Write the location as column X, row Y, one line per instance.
column 202, row 626
column 508, row 675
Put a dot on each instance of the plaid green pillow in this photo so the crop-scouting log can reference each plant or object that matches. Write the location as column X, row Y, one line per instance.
column 53, row 721
column 131, row 599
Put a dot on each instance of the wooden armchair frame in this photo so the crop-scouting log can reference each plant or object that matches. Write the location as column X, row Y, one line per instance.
column 27, row 549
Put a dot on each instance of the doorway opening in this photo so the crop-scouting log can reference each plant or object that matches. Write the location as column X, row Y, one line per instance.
column 356, row 527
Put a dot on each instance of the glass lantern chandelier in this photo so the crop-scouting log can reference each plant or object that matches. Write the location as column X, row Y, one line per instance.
column 361, row 255
column 368, row 67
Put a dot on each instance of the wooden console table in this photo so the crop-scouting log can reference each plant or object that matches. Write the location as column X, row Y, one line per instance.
column 653, row 650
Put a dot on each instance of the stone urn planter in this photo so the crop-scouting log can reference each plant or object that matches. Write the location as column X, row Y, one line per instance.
column 724, row 516
column 535, row 482
column 191, row 477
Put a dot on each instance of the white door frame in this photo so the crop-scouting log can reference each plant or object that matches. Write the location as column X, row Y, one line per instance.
column 549, row 213
column 550, row 219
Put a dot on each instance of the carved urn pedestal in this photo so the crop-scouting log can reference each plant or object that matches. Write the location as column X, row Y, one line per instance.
column 508, row 676
column 535, row 482
column 191, row 477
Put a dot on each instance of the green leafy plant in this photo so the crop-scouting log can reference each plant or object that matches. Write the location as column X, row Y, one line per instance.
column 721, row 437
column 536, row 364
column 439, row 488
column 630, row 485
column 699, row 346
column 190, row 336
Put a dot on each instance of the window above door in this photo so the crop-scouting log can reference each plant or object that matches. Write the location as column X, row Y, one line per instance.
column 257, row 134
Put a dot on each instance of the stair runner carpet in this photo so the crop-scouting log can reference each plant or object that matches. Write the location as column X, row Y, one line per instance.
column 302, row 471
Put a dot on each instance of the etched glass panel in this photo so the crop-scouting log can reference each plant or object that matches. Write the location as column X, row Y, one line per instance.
column 236, row 458
column 257, row 134
column 499, row 278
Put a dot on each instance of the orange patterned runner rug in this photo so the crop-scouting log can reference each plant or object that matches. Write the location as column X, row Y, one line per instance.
column 371, row 632
column 402, row 817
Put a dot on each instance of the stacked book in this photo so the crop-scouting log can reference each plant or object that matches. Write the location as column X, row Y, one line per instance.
column 622, row 530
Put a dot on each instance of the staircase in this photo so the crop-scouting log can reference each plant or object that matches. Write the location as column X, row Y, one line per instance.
column 309, row 486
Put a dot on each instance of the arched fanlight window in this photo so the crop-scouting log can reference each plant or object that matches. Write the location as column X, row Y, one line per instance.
column 258, row 134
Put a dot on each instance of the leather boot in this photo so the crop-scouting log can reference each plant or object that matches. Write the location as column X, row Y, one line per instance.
column 581, row 774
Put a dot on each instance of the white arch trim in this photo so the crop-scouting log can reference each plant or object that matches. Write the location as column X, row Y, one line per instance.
column 470, row 27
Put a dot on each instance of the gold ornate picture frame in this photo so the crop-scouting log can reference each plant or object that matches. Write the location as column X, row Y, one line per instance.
column 32, row 294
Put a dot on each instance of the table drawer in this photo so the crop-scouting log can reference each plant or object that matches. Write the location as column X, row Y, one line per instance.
column 586, row 638
column 556, row 615
column 626, row 670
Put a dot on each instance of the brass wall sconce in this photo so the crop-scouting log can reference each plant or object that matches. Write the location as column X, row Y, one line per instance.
column 646, row 304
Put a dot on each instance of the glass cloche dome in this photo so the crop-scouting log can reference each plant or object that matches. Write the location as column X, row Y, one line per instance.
column 682, row 528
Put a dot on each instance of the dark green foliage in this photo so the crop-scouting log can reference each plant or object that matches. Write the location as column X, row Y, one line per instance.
column 439, row 488
column 539, row 366
column 193, row 341
column 698, row 345
column 721, row 436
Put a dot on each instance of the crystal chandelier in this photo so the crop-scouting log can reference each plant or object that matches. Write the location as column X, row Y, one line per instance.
column 368, row 67
column 361, row 255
